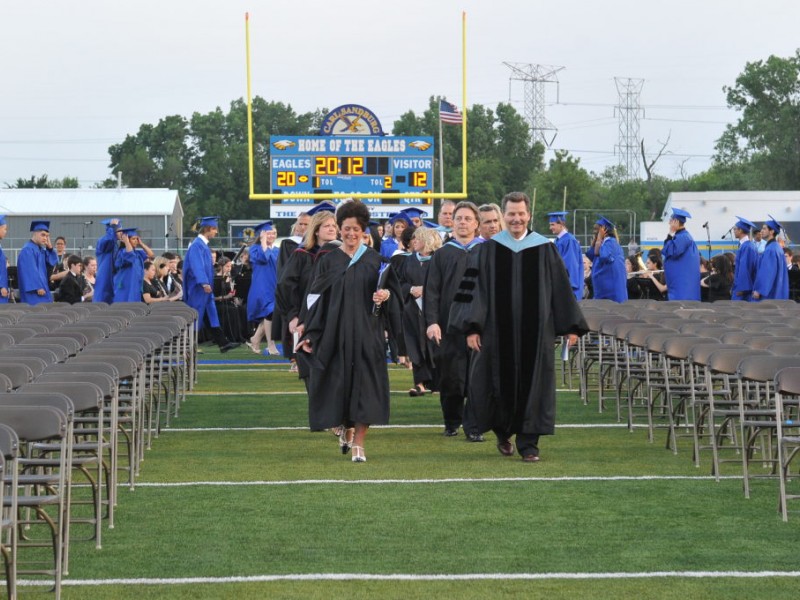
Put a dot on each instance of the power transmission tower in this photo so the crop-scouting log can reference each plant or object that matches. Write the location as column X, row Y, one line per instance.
column 628, row 110
column 534, row 78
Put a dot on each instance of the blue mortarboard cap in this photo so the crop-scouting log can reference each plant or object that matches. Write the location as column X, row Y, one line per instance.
column 680, row 215
column 773, row 224
column 603, row 222
column 208, row 222
column 2, row 219
column 744, row 224
column 322, row 206
column 108, row 222
column 559, row 216
column 413, row 212
column 401, row 216
column 430, row 224
column 265, row 226
column 130, row 231
column 40, row 225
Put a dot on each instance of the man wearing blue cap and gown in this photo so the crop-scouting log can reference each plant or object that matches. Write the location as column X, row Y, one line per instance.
column 609, row 278
column 514, row 300
column 772, row 277
column 5, row 292
column 681, row 259
column 129, row 267
column 261, row 298
column 198, row 282
column 570, row 250
column 106, row 253
column 746, row 263
column 36, row 256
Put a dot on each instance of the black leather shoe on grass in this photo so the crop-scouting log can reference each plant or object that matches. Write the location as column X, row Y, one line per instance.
column 450, row 432
column 505, row 447
column 229, row 346
column 530, row 458
column 475, row 437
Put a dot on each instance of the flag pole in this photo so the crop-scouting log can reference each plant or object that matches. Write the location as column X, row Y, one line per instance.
column 464, row 103
column 441, row 152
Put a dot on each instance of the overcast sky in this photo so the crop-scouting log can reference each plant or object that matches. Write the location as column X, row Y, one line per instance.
column 78, row 75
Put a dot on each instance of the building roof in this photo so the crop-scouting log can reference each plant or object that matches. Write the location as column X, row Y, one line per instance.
column 100, row 202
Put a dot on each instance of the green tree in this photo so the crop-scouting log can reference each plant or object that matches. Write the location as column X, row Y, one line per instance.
column 43, row 182
column 765, row 141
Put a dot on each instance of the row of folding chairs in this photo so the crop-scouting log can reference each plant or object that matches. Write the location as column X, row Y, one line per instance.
column 84, row 388
column 704, row 372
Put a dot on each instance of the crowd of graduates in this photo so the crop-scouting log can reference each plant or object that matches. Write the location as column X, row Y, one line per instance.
column 762, row 267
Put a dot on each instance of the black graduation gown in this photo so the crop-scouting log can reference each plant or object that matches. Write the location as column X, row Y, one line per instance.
column 445, row 272
column 420, row 349
column 518, row 297
column 349, row 380
column 280, row 324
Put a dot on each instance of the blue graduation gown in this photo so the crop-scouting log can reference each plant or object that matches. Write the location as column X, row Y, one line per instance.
column 32, row 269
column 261, row 297
column 198, row 271
column 129, row 275
column 772, row 277
column 107, row 248
column 4, row 277
column 744, row 273
column 609, row 279
column 681, row 266
column 388, row 247
column 570, row 250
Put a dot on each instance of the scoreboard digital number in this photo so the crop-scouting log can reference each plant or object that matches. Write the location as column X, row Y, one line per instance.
column 304, row 165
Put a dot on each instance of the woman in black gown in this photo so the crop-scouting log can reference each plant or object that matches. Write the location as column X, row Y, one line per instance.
column 344, row 335
column 412, row 274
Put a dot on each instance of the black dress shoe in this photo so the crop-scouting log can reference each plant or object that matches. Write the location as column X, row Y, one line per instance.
column 475, row 437
column 229, row 346
column 505, row 447
column 530, row 458
column 450, row 432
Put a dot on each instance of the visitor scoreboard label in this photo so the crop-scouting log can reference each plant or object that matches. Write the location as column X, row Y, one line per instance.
column 308, row 165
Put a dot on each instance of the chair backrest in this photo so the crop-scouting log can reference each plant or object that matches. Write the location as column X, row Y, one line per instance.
column 764, row 368
column 84, row 395
column 9, row 441
column 700, row 352
column 33, row 422
column 787, row 381
column 73, row 366
column 727, row 361
column 105, row 383
column 18, row 373
column 678, row 347
column 19, row 333
column 784, row 348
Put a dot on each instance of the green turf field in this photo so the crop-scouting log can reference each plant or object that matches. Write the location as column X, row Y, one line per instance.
column 228, row 507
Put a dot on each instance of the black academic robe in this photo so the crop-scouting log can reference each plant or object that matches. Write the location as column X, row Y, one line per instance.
column 441, row 284
column 420, row 349
column 517, row 295
column 280, row 324
column 349, row 381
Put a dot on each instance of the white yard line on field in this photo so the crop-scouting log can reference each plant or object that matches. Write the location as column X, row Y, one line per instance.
column 419, row 577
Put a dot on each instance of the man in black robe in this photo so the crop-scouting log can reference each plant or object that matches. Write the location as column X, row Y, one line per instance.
column 441, row 284
column 514, row 300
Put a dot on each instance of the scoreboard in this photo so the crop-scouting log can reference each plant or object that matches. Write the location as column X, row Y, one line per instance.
column 302, row 166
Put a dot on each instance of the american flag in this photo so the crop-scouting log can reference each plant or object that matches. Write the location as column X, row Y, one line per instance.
column 448, row 113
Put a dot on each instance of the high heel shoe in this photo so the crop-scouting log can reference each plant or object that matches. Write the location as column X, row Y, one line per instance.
column 253, row 347
column 346, row 439
column 358, row 454
column 272, row 349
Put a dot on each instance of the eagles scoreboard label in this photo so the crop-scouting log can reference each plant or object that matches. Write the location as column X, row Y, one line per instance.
column 351, row 119
column 350, row 164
